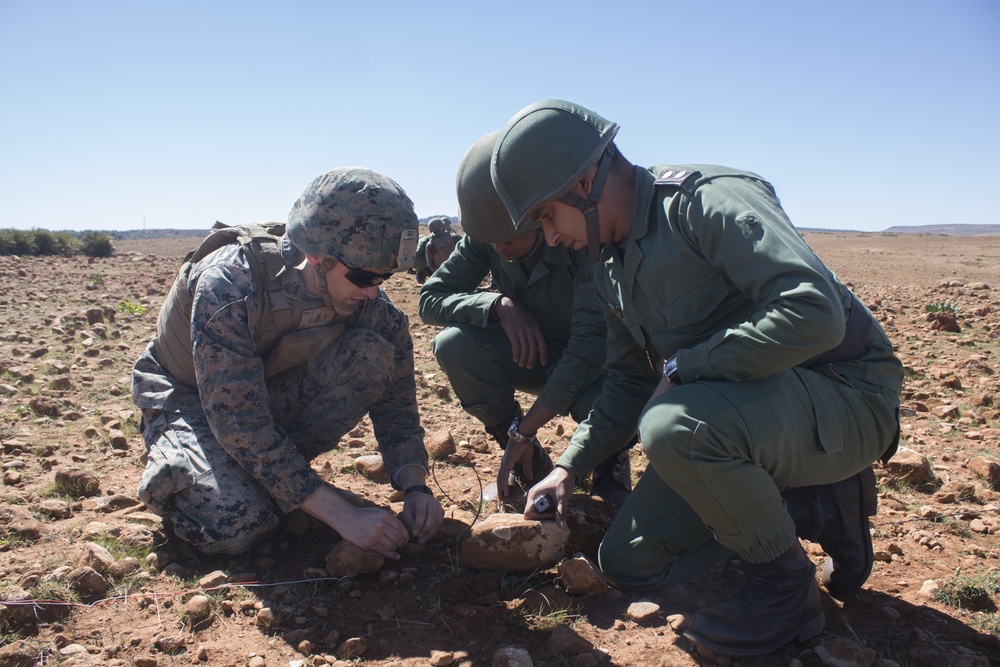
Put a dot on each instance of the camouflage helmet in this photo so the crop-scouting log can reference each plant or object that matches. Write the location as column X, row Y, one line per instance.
column 438, row 224
column 357, row 217
column 543, row 151
column 480, row 209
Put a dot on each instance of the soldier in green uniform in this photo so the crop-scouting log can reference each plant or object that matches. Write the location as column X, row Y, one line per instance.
column 269, row 348
column 749, row 368
column 541, row 332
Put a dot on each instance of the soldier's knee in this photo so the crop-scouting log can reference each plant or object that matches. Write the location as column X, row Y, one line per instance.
column 451, row 348
column 223, row 538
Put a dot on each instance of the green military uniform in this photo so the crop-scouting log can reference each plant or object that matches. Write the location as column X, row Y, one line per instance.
column 714, row 273
column 420, row 266
column 573, row 329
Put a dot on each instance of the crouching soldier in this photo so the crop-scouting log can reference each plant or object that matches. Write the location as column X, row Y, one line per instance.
column 542, row 333
column 271, row 345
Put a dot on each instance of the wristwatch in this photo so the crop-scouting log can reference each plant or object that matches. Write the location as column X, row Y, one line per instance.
column 670, row 370
column 516, row 435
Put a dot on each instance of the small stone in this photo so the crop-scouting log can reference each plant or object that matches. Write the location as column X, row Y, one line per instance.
column 512, row 656
column 266, row 618
column 353, row 648
column 305, row 647
column 213, row 579
column 198, row 608
column 256, row 661
column 441, row 658
column 643, row 611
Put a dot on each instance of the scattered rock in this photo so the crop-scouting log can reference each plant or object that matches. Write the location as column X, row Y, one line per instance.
column 198, row 608
column 78, row 481
column 372, row 467
column 581, row 576
column 512, row 656
column 643, row 611
column 910, row 467
column 354, row 647
column 440, row 444
column 88, row 582
column 565, row 641
column 349, row 560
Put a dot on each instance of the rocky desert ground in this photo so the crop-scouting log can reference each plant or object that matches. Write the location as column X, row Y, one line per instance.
column 88, row 576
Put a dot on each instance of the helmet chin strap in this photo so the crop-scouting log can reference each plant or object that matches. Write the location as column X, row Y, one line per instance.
column 588, row 206
column 534, row 250
column 337, row 307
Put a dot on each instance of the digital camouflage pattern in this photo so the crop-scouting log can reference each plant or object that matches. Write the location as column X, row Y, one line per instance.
column 355, row 216
column 226, row 433
column 439, row 247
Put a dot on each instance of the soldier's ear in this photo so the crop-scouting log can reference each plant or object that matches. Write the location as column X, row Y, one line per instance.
column 313, row 261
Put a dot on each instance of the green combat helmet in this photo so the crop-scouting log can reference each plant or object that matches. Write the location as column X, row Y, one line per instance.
column 359, row 218
column 543, row 151
column 482, row 213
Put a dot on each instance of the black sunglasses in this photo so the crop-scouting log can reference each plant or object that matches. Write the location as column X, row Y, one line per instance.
column 363, row 279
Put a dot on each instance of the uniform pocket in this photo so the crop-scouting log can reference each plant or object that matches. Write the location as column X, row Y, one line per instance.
column 826, row 388
column 170, row 469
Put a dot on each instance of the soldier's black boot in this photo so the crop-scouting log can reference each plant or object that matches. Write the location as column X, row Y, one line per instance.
column 778, row 604
column 613, row 478
column 836, row 517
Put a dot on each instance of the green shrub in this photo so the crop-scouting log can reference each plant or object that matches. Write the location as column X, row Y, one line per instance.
column 96, row 244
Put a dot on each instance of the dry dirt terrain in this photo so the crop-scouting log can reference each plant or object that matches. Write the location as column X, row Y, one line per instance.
column 88, row 576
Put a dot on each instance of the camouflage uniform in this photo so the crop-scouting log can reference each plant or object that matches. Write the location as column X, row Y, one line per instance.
column 227, row 458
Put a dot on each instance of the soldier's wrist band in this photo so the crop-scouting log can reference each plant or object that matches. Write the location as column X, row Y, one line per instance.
column 670, row 370
column 516, row 435
column 417, row 488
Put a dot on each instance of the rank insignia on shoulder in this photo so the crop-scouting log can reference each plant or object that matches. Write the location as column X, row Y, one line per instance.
column 675, row 177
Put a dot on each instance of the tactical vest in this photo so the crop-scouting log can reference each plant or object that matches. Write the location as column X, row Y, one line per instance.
column 289, row 334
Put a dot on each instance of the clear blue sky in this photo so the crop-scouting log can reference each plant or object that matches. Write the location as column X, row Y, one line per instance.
column 116, row 114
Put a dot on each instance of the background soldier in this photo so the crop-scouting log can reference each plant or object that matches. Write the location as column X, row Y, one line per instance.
column 773, row 376
column 268, row 350
column 543, row 334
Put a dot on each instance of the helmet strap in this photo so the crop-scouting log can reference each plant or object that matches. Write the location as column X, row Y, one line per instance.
column 588, row 206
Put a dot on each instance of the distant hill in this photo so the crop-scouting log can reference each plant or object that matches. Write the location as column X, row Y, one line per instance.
column 140, row 234
column 951, row 230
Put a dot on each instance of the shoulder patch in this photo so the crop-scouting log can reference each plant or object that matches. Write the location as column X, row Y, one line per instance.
column 675, row 177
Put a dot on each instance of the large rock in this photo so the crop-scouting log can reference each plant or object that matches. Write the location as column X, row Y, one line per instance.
column 588, row 519
column 512, row 543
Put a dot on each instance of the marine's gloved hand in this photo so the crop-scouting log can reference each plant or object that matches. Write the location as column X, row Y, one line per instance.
column 526, row 340
column 559, row 485
column 422, row 515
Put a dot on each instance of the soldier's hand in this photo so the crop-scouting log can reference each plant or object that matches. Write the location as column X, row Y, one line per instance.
column 663, row 386
column 376, row 530
column 514, row 453
column 526, row 340
column 369, row 528
column 422, row 515
column 558, row 485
